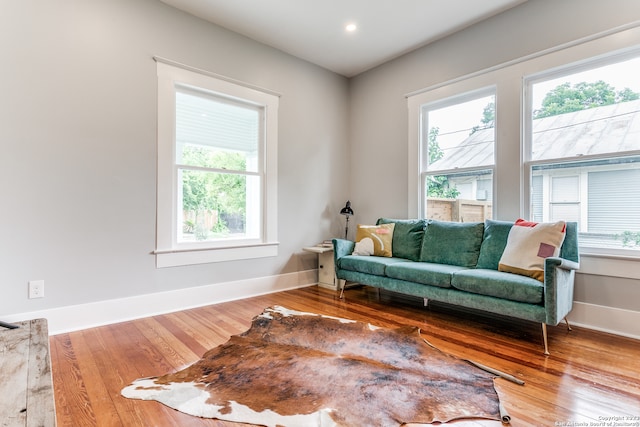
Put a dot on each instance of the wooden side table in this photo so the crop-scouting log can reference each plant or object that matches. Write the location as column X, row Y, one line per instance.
column 326, row 267
column 26, row 387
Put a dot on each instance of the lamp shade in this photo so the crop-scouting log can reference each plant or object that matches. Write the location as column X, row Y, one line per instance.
column 347, row 211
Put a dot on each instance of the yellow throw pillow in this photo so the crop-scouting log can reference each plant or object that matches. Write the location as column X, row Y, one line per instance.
column 374, row 240
column 528, row 244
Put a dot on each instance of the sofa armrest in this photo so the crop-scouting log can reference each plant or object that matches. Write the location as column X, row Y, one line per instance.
column 342, row 247
column 565, row 264
column 559, row 277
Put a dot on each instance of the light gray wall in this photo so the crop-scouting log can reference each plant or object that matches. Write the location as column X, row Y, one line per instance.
column 78, row 135
column 379, row 116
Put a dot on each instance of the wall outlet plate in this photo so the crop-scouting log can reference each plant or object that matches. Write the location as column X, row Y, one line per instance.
column 36, row 289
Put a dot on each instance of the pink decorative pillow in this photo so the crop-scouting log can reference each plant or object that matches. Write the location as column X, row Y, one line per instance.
column 528, row 244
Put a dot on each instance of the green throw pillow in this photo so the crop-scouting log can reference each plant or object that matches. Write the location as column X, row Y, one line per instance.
column 493, row 243
column 407, row 237
column 452, row 243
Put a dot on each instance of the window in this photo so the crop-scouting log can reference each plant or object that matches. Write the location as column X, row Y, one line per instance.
column 583, row 150
column 567, row 145
column 457, row 146
column 217, row 152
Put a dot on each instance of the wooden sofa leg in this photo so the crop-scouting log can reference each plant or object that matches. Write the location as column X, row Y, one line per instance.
column 544, row 339
column 426, row 301
column 544, row 335
column 342, row 284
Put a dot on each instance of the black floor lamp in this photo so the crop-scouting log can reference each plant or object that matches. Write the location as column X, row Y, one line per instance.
column 346, row 211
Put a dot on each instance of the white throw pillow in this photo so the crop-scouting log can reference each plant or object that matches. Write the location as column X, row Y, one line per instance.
column 528, row 245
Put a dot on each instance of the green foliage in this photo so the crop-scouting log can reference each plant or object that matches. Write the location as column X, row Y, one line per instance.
column 566, row 98
column 438, row 186
column 489, row 115
column 433, row 149
column 188, row 226
column 629, row 238
column 220, row 192
column 488, row 118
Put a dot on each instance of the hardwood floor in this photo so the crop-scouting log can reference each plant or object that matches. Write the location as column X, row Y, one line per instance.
column 589, row 379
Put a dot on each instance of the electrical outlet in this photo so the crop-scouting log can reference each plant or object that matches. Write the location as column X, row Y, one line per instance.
column 36, row 289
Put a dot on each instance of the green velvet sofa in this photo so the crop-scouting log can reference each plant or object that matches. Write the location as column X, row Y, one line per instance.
column 457, row 263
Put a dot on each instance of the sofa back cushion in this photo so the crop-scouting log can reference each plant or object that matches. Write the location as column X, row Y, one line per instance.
column 453, row 243
column 407, row 237
column 493, row 243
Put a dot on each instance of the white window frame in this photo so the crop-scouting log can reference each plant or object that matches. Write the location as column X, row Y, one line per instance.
column 528, row 163
column 169, row 252
column 440, row 98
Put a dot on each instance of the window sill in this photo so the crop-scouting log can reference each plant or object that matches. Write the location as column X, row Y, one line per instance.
column 181, row 257
column 609, row 265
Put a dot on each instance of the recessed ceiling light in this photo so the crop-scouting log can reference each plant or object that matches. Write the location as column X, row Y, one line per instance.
column 351, row 27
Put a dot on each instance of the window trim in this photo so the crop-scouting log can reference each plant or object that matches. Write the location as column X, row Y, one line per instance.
column 431, row 101
column 168, row 252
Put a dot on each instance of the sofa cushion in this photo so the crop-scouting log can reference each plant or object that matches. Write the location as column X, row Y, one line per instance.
column 528, row 245
column 494, row 283
column 423, row 272
column 407, row 237
column 368, row 264
column 453, row 243
column 493, row 243
column 374, row 240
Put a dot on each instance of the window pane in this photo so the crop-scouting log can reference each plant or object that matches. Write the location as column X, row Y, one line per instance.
column 565, row 212
column 460, row 197
column 218, row 206
column 211, row 157
column 607, row 211
column 565, row 189
column 537, row 204
column 591, row 112
column 460, row 135
column 216, row 133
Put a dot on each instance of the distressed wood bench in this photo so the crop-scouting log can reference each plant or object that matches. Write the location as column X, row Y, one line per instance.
column 26, row 387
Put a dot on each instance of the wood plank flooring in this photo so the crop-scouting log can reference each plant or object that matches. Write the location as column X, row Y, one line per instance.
column 26, row 389
column 589, row 379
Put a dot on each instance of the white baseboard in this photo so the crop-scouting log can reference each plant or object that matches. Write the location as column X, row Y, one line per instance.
column 83, row 316
column 72, row 318
column 606, row 319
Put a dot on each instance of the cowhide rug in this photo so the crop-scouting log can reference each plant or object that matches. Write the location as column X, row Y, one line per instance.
column 302, row 369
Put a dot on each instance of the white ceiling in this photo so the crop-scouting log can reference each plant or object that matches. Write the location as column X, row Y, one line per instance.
column 314, row 29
